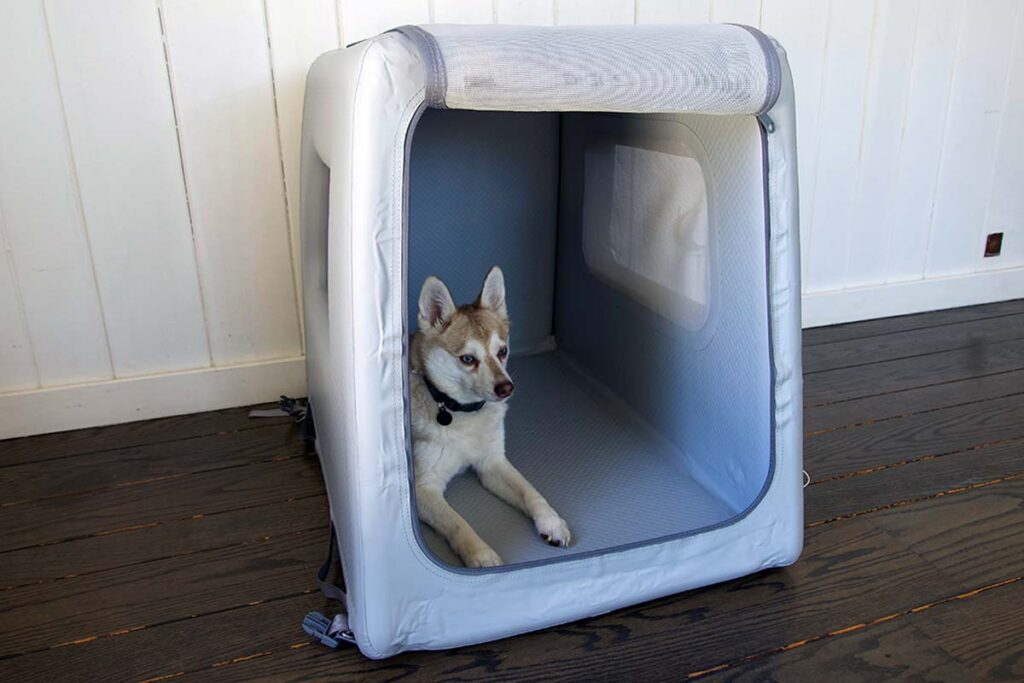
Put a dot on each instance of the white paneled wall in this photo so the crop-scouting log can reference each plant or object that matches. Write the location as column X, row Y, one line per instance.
column 149, row 177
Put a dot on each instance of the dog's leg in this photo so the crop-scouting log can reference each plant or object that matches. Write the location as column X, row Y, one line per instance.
column 442, row 517
column 502, row 479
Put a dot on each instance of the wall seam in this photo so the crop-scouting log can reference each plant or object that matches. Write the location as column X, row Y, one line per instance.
column 5, row 244
column 168, row 69
column 907, row 83
column 79, row 204
column 823, row 87
column 942, row 146
column 874, row 50
column 284, row 184
column 337, row 23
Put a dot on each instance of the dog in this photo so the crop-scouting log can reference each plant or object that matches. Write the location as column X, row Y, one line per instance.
column 459, row 387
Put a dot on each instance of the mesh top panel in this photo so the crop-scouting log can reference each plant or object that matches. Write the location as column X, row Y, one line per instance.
column 706, row 68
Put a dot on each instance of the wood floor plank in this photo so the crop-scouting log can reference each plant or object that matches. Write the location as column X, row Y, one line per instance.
column 943, row 475
column 930, row 643
column 38, row 617
column 906, row 373
column 841, row 564
column 975, row 538
column 188, row 536
column 867, row 351
column 865, row 329
column 95, row 439
column 125, row 466
column 52, row 520
column 176, row 646
column 943, row 431
column 894, row 651
column 985, row 633
column 914, row 401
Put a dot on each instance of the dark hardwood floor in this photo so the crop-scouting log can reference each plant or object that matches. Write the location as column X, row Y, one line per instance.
column 186, row 547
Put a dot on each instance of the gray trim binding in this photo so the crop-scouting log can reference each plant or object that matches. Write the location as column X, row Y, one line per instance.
column 772, row 62
column 436, row 87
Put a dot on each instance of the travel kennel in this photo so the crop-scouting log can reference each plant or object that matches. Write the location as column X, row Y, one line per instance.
column 637, row 185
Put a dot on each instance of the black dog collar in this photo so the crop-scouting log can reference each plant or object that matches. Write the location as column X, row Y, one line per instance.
column 446, row 403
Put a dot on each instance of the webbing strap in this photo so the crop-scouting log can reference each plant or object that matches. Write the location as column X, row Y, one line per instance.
column 330, row 632
column 330, row 590
column 300, row 412
column 269, row 412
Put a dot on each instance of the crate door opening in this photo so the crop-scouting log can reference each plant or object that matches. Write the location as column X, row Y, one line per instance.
column 633, row 249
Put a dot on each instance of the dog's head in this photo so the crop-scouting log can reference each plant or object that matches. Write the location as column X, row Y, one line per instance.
column 465, row 348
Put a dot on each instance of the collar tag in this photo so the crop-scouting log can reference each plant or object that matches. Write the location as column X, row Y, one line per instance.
column 446, row 404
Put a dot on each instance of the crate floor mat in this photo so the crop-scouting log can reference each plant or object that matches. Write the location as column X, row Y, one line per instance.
column 606, row 473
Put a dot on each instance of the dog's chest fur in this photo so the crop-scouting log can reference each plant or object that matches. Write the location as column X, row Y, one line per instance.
column 468, row 440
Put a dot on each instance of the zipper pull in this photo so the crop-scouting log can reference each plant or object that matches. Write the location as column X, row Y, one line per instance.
column 767, row 122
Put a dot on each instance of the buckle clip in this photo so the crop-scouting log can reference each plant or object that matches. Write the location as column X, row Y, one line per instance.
column 330, row 632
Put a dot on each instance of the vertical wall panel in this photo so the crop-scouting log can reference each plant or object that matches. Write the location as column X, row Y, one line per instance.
column 39, row 202
column 361, row 19
column 220, row 71
column 110, row 65
column 594, row 12
column 972, row 130
column 299, row 33
column 1006, row 203
column 911, row 196
column 866, row 234
column 673, row 11
column 842, row 114
column 802, row 26
column 537, row 12
column 463, row 12
column 17, row 366
column 737, row 11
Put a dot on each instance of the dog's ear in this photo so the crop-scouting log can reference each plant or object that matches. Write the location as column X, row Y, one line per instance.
column 492, row 294
column 436, row 305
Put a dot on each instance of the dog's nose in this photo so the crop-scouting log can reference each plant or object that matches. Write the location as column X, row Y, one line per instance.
column 504, row 389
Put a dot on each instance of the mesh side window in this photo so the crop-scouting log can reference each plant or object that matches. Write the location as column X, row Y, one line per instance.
column 646, row 227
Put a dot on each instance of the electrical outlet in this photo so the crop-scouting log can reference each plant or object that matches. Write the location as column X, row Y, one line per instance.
column 993, row 244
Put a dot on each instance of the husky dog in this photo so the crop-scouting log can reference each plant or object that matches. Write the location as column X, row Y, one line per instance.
column 459, row 386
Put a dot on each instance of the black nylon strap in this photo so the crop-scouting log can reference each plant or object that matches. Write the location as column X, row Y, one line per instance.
column 330, row 590
column 450, row 403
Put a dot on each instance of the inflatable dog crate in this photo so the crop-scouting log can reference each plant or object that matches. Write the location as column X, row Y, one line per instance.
column 638, row 187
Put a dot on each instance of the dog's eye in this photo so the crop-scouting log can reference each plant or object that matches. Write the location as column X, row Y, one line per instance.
column 468, row 359
column 502, row 353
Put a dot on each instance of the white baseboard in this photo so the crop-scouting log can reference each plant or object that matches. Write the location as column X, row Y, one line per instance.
column 56, row 409
column 915, row 296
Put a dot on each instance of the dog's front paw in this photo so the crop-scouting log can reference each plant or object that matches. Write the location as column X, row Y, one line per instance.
column 481, row 557
column 554, row 530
